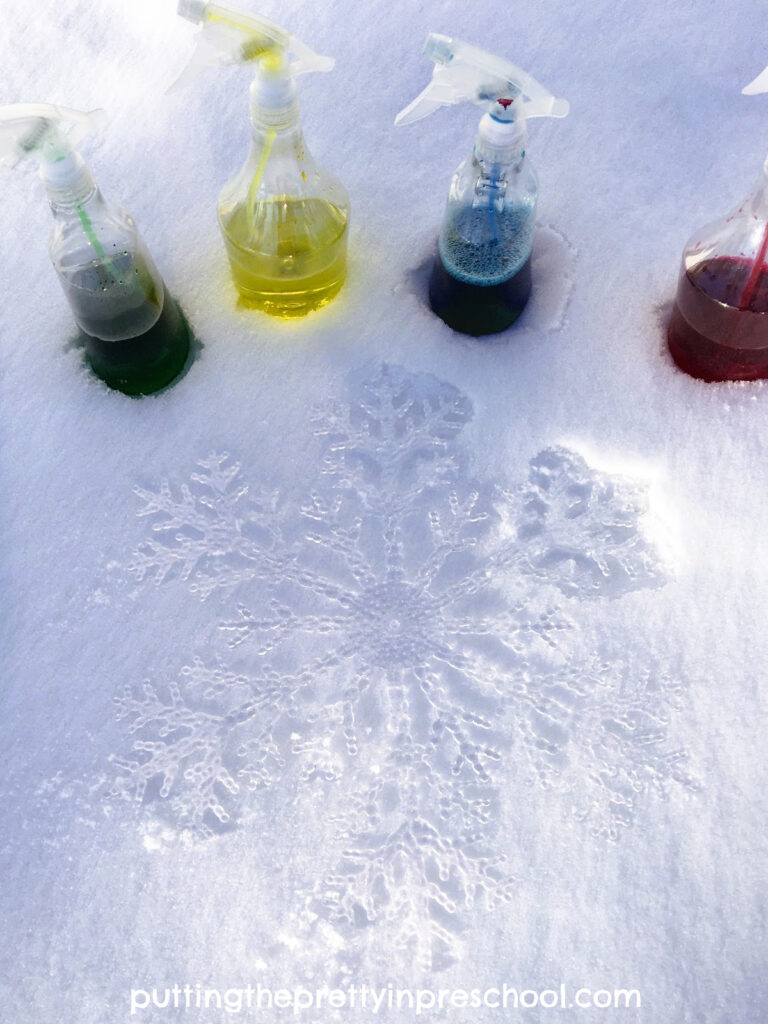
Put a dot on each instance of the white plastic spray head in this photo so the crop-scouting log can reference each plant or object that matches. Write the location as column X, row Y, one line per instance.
column 229, row 36
column 466, row 74
column 50, row 133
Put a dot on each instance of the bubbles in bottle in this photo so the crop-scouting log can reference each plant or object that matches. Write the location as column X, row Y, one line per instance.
column 486, row 246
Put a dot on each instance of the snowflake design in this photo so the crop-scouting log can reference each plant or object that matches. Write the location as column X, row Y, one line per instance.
column 398, row 631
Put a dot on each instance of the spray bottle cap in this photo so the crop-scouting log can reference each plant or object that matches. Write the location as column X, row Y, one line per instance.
column 50, row 133
column 229, row 36
column 466, row 74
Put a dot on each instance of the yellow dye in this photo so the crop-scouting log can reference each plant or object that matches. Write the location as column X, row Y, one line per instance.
column 288, row 255
column 259, row 174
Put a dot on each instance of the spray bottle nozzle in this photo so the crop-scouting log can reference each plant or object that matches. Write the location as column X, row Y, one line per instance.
column 439, row 48
column 36, row 136
column 466, row 74
column 192, row 10
column 228, row 36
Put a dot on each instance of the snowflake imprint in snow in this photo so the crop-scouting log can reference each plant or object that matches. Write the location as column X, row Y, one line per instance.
column 400, row 642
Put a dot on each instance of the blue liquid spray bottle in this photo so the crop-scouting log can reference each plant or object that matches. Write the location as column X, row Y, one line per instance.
column 481, row 278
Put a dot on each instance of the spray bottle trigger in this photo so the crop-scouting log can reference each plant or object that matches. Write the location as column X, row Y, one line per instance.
column 203, row 56
column 437, row 94
column 215, row 46
column 757, row 85
column 549, row 107
column 307, row 60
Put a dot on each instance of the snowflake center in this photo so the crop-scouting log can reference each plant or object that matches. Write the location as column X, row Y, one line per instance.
column 396, row 624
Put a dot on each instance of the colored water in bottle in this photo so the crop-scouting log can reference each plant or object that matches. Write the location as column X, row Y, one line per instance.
column 481, row 277
column 283, row 218
column 719, row 327
column 136, row 338
column 289, row 256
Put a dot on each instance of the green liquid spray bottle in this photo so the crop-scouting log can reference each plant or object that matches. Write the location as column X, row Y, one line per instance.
column 284, row 220
column 136, row 338
column 481, row 277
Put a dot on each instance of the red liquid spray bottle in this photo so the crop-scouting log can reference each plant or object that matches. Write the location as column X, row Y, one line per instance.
column 719, row 326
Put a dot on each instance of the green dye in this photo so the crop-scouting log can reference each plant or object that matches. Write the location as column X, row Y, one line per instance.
column 135, row 336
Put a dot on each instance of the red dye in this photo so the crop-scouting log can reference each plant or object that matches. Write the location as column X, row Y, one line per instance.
column 719, row 327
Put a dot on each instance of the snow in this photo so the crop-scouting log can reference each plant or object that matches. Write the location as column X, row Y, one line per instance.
column 370, row 653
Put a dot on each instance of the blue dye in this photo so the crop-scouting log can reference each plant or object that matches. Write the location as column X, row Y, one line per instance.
column 485, row 246
column 481, row 278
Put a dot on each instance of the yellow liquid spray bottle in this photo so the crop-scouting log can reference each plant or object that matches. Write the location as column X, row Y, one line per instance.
column 284, row 220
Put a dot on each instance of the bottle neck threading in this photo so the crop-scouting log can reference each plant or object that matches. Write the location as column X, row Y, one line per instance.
column 67, row 200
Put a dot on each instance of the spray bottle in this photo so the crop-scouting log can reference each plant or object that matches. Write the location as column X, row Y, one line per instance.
column 135, row 337
column 719, row 325
column 481, row 278
column 284, row 220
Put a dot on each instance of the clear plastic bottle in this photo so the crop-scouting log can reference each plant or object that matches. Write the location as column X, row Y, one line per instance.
column 284, row 220
column 481, row 277
column 719, row 325
column 135, row 337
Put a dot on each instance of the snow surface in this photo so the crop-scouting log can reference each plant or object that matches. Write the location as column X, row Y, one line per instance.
column 418, row 659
